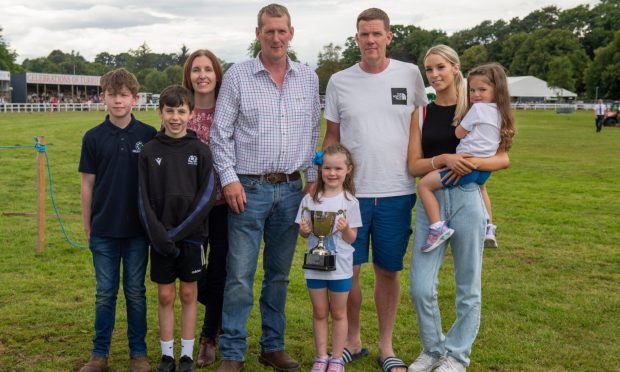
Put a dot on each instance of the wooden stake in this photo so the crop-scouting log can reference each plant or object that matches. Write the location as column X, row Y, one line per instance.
column 41, row 198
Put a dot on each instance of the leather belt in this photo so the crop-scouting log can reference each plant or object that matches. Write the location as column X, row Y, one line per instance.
column 274, row 177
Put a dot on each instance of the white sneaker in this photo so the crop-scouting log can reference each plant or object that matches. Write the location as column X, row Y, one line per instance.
column 490, row 240
column 424, row 363
column 449, row 364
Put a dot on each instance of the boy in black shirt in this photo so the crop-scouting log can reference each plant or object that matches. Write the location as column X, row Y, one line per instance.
column 177, row 187
column 109, row 196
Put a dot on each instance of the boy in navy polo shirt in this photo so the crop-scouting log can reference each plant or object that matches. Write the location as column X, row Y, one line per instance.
column 109, row 196
column 177, row 191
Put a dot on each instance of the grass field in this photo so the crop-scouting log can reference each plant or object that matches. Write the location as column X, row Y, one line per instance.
column 551, row 292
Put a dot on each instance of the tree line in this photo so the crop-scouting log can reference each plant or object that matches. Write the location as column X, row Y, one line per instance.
column 576, row 49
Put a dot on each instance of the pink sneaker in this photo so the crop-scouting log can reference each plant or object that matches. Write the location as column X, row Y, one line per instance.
column 320, row 365
column 437, row 236
column 335, row 365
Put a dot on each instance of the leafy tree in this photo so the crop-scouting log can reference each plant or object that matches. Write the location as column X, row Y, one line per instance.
column 561, row 73
column 473, row 56
column 604, row 71
column 155, row 81
column 254, row 49
column 7, row 56
column 174, row 74
column 329, row 62
column 540, row 47
column 183, row 55
column 105, row 58
column 351, row 52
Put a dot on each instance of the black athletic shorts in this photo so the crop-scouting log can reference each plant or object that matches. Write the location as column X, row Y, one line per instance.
column 188, row 266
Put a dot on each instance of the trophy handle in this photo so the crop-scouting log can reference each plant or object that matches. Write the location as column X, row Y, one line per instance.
column 305, row 210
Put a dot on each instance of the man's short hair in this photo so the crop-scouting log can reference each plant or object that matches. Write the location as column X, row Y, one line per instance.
column 113, row 81
column 273, row 10
column 372, row 14
column 175, row 96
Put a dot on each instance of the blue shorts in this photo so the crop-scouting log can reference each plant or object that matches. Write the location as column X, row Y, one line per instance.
column 388, row 221
column 479, row 177
column 338, row 285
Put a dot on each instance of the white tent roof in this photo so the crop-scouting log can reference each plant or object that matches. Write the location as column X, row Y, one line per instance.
column 529, row 86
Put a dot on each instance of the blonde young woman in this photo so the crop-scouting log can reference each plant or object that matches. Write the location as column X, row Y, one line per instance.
column 432, row 146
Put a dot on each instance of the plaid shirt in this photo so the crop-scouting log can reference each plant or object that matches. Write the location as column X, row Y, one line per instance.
column 259, row 128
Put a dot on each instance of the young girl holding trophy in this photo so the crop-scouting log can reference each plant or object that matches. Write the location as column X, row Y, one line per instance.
column 334, row 201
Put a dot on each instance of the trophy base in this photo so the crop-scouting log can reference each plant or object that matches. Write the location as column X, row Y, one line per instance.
column 319, row 262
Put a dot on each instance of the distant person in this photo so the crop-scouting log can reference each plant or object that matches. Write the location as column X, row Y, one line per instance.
column 177, row 188
column 265, row 132
column 368, row 109
column 329, row 290
column 109, row 196
column 433, row 145
column 488, row 126
column 599, row 110
column 202, row 75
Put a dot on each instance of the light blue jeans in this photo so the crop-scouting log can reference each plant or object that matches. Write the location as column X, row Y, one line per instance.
column 270, row 214
column 463, row 207
column 108, row 255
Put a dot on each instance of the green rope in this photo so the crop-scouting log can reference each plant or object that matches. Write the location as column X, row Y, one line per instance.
column 41, row 148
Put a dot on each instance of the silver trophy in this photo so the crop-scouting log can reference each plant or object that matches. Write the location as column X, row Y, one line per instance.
column 320, row 258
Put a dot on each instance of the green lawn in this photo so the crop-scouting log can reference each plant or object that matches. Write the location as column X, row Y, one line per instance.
column 551, row 297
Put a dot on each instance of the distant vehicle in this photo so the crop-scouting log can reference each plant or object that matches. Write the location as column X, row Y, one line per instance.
column 155, row 99
column 611, row 116
column 145, row 98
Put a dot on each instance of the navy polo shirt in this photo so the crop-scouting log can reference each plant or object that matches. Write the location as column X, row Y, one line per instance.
column 111, row 154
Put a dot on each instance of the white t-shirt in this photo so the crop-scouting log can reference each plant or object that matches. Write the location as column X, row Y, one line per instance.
column 344, row 250
column 374, row 113
column 482, row 121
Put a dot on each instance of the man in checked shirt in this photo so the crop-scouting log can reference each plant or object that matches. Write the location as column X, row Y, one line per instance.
column 265, row 131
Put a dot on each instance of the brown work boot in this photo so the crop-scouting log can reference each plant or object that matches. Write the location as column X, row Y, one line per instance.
column 95, row 364
column 279, row 360
column 140, row 363
column 230, row 366
column 206, row 353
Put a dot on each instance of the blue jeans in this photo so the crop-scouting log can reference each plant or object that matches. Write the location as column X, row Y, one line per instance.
column 270, row 214
column 108, row 253
column 463, row 207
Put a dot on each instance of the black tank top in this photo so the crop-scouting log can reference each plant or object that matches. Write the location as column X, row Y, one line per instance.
column 437, row 132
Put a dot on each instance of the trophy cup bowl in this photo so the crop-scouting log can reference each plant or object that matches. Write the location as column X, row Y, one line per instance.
column 320, row 258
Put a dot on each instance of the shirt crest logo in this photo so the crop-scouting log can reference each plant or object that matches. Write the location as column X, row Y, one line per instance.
column 138, row 147
column 399, row 96
column 192, row 160
column 158, row 161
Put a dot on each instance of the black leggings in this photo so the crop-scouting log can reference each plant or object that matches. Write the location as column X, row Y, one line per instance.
column 211, row 284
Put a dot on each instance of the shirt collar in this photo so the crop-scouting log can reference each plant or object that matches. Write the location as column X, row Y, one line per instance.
column 257, row 65
column 129, row 128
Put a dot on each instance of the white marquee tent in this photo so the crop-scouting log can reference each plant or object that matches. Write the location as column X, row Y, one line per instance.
column 530, row 87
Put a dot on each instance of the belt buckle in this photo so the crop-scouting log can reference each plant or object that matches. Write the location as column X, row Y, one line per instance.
column 272, row 177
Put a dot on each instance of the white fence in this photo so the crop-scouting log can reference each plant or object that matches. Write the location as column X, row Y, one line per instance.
column 64, row 107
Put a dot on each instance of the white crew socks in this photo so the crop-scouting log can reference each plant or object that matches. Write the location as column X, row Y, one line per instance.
column 187, row 348
column 167, row 348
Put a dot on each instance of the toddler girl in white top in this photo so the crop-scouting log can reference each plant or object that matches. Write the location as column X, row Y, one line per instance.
column 329, row 290
column 488, row 126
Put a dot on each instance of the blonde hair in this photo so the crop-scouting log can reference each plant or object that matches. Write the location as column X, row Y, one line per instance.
column 348, row 184
column 452, row 57
column 496, row 76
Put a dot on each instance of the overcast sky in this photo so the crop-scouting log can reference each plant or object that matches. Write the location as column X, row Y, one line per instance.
column 34, row 28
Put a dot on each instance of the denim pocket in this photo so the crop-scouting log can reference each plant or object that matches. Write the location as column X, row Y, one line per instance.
column 249, row 183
